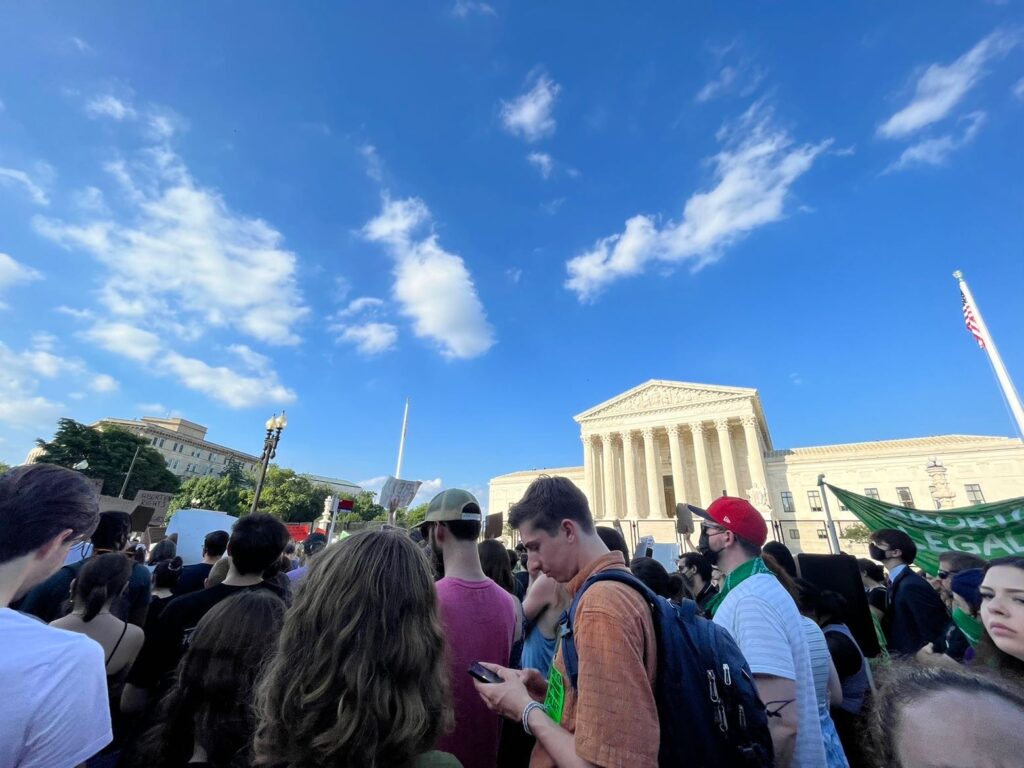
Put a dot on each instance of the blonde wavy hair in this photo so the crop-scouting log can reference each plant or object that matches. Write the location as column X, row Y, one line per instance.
column 358, row 677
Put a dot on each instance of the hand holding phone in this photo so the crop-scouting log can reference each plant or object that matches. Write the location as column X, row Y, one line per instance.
column 479, row 672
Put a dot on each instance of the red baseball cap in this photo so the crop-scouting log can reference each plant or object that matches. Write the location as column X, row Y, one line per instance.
column 738, row 516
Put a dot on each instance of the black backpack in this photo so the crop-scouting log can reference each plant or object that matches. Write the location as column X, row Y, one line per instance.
column 708, row 708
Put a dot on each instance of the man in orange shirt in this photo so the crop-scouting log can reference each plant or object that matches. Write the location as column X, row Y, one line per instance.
column 610, row 719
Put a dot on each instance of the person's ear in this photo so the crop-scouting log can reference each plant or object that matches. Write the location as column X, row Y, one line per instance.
column 569, row 528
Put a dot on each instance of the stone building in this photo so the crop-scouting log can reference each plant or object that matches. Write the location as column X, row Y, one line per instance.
column 667, row 442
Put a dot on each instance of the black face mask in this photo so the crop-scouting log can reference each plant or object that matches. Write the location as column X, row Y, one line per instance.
column 876, row 553
column 704, row 547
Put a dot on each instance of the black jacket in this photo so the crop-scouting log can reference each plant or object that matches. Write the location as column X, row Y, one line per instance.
column 914, row 616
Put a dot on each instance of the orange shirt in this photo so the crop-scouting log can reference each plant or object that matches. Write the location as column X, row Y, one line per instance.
column 613, row 713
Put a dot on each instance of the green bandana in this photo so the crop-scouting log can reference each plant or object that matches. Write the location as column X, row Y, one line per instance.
column 967, row 624
column 737, row 577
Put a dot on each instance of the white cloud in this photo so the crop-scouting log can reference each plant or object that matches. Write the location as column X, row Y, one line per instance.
column 374, row 166
column 9, row 176
column 464, row 8
column 514, row 274
column 251, row 359
column 13, row 272
column 796, row 379
column 529, row 114
column 370, row 338
column 1018, row 89
column 543, row 162
column 753, row 172
column 552, row 207
column 81, row 45
column 225, row 385
column 90, row 200
column 361, row 305
column 78, row 314
column 181, row 258
column 124, row 339
column 21, row 405
column 937, row 150
column 108, row 105
column 432, row 286
column 150, row 409
column 940, row 88
column 104, row 383
column 428, row 490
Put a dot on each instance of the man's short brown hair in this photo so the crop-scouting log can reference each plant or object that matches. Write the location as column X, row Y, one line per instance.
column 550, row 500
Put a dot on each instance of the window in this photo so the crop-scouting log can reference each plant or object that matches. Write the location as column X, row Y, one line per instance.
column 871, row 493
column 175, row 464
column 153, row 442
column 794, row 534
column 814, row 499
column 210, row 458
column 974, row 494
column 787, row 503
column 175, row 448
column 903, row 494
column 822, row 533
column 161, row 442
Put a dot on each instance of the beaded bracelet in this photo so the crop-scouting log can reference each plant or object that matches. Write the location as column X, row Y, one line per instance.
column 526, row 715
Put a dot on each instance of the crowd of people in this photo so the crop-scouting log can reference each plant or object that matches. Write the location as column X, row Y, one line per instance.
column 431, row 648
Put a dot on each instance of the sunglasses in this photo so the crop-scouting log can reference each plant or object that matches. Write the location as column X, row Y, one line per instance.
column 945, row 574
column 711, row 530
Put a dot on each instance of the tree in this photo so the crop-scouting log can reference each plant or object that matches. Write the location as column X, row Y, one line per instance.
column 856, row 533
column 366, row 507
column 108, row 453
column 4, row 467
column 288, row 496
column 238, row 476
column 221, row 493
column 410, row 518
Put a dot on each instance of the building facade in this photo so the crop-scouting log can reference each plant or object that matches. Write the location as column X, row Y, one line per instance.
column 184, row 446
column 665, row 442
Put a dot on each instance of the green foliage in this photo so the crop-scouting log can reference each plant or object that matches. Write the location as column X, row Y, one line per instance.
column 221, row 493
column 288, row 496
column 236, row 475
column 410, row 518
column 4, row 467
column 109, row 452
column 856, row 533
column 366, row 507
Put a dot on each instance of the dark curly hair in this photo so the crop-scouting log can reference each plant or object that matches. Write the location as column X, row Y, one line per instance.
column 211, row 700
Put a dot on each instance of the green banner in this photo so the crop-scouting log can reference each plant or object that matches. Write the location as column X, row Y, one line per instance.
column 988, row 530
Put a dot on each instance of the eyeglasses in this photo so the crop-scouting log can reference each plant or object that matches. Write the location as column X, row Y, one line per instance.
column 712, row 530
column 945, row 574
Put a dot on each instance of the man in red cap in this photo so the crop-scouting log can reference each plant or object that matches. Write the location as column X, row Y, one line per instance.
column 763, row 619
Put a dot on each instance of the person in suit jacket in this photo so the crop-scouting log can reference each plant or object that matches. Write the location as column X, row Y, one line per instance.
column 914, row 613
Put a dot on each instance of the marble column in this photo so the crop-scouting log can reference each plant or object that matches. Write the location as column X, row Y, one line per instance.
column 588, row 471
column 655, row 491
column 608, row 459
column 732, row 485
column 700, row 452
column 675, row 450
column 629, row 470
column 755, row 464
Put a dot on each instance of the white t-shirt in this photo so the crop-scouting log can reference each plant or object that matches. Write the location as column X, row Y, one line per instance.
column 53, row 685
column 765, row 623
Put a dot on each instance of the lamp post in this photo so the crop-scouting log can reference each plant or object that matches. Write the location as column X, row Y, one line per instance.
column 274, row 426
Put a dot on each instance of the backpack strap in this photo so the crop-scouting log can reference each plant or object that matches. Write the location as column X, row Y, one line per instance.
column 569, row 656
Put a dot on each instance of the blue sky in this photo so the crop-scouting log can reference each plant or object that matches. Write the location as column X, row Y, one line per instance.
column 507, row 212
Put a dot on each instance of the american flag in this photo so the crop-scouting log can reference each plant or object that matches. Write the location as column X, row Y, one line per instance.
column 972, row 323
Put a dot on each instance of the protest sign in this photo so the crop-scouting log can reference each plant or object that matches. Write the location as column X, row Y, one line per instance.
column 398, row 494
column 987, row 530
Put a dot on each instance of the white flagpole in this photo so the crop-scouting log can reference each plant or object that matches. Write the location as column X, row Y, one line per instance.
column 1009, row 392
column 401, row 442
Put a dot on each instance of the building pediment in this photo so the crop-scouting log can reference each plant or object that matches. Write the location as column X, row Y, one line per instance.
column 659, row 396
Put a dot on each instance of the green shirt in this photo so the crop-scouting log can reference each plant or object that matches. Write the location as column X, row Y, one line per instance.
column 437, row 760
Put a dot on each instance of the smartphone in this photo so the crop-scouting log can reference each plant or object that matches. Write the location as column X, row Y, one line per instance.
column 479, row 672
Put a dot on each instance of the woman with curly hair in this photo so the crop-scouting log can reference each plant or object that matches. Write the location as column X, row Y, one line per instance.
column 206, row 719
column 374, row 692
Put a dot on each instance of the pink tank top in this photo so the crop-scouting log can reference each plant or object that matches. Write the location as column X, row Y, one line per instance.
column 479, row 620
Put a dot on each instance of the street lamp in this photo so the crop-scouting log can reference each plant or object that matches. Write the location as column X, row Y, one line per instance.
column 274, row 426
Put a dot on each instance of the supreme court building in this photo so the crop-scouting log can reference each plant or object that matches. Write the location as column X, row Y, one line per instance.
column 667, row 442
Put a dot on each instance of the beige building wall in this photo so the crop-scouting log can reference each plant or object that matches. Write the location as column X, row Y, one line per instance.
column 184, row 446
column 637, row 427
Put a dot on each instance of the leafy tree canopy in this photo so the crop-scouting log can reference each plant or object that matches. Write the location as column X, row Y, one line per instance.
column 222, row 494
column 4, row 467
column 108, row 452
column 288, row 496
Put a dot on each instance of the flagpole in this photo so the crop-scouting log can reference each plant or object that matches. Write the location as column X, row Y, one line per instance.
column 1002, row 376
column 401, row 442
